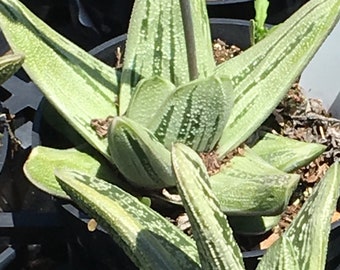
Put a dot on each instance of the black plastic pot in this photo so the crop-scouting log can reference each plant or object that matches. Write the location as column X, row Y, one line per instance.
column 85, row 22
column 278, row 11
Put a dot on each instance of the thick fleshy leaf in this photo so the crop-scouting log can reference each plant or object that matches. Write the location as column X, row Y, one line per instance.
column 150, row 240
column 9, row 64
column 139, row 156
column 195, row 114
column 285, row 257
column 307, row 236
column 156, row 45
column 263, row 74
column 251, row 186
column 79, row 86
column 286, row 154
column 253, row 225
column 214, row 238
column 41, row 163
column 148, row 99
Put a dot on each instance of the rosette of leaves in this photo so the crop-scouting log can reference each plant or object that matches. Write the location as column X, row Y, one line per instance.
column 156, row 101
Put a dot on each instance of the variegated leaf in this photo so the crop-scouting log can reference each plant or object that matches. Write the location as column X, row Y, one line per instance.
column 139, row 156
column 307, row 236
column 156, row 45
column 79, row 86
column 195, row 114
column 150, row 240
column 286, row 154
column 148, row 99
column 263, row 74
column 42, row 161
column 214, row 238
column 248, row 185
column 9, row 64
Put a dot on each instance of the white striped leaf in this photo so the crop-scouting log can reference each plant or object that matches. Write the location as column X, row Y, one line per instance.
column 150, row 240
column 156, row 45
column 285, row 256
column 286, row 154
column 42, row 161
column 251, row 186
column 195, row 114
column 138, row 155
column 79, row 86
column 9, row 64
column 263, row 74
column 148, row 99
column 214, row 238
column 307, row 236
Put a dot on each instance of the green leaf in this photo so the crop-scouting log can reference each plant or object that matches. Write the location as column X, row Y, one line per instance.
column 156, row 45
column 214, row 238
column 139, row 156
column 253, row 225
column 41, row 163
column 286, row 154
column 79, row 86
column 9, row 64
column 150, row 240
column 195, row 114
column 263, row 74
column 259, row 30
column 251, row 186
column 307, row 236
column 285, row 256
column 148, row 99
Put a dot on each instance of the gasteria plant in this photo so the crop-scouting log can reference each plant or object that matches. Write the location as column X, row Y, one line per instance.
column 159, row 99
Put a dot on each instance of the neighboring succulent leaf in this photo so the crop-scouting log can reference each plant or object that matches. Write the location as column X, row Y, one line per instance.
column 194, row 115
column 258, row 27
column 286, row 154
column 150, row 240
column 253, row 225
column 139, row 156
column 263, row 74
column 251, row 186
column 148, row 99
column 79, row 86
column 41, row 163
column 9, row 64
column 156, row 45
column 307, row 236
column 216, row 245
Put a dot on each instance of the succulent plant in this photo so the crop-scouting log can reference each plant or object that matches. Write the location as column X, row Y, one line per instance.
column 156, row 100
